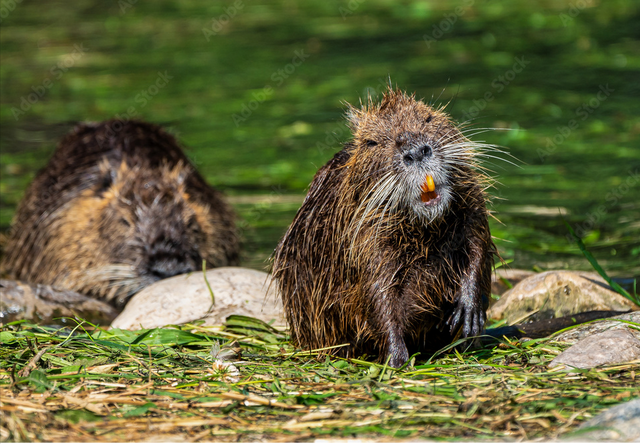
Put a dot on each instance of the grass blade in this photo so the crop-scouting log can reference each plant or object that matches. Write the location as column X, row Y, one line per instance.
column 594, row 263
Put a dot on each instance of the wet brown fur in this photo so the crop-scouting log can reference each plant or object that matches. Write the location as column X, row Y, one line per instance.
column 118, row 207
column 358, row 269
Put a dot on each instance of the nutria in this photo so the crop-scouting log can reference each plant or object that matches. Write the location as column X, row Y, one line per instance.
column 390, row 252
column 118, row 207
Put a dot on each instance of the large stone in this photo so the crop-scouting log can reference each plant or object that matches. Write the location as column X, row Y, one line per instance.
column 186, row 298
column 47, row 305
column 504, row 279
column 554, row 294
column 619, row 423
column 593, row 328
column 606, row 348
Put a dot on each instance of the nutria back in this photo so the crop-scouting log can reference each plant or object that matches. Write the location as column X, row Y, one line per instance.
column 390, row 252
column 118, row 207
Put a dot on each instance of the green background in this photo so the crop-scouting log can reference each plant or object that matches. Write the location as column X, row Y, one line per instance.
column 578, row 154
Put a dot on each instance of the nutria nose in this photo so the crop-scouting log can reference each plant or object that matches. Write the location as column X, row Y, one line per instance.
column 167, row 259
column 164, row 266
column 417, row 154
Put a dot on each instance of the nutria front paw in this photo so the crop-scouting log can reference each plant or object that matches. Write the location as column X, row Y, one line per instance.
column 468, row 314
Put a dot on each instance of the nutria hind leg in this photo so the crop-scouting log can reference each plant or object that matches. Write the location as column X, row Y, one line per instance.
column 397, row 352
column 389, row 326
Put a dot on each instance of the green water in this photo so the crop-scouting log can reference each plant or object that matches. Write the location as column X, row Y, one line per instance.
column 255, row 91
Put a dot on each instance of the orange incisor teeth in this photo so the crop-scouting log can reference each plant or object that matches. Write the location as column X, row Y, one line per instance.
column 428, row 184
column 428, row 189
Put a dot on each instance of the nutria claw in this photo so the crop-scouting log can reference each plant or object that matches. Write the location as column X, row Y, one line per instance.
column 467, row 315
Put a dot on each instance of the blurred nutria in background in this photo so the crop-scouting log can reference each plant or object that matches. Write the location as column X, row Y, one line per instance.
column 390, row 252
column 118, row 207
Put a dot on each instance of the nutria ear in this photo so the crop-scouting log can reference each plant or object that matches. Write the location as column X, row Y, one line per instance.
column 179, row 173
column 106, row 176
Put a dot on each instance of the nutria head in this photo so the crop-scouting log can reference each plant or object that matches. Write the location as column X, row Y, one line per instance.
column 115, row 211
column 132, row 228
column 408, row 154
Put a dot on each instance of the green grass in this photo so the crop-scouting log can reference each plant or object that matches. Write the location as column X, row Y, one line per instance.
column 633, row 297
column 127, row 386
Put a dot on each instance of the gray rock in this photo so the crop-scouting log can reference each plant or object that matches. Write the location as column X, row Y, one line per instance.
column 553, row 294
column 186, row 298
column 613, row 323
column 619, row 423
column 47, row 305
column 606, row 348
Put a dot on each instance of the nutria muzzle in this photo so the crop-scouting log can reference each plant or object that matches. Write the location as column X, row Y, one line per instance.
column 417, row 154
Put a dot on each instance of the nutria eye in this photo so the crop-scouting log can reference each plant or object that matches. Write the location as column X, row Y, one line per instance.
column 104, row 185
column 193, row 225
column 372, row 143
column 125, row 222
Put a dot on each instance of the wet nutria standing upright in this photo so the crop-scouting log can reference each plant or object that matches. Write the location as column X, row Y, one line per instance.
column 390, row 252
column 117, row 208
